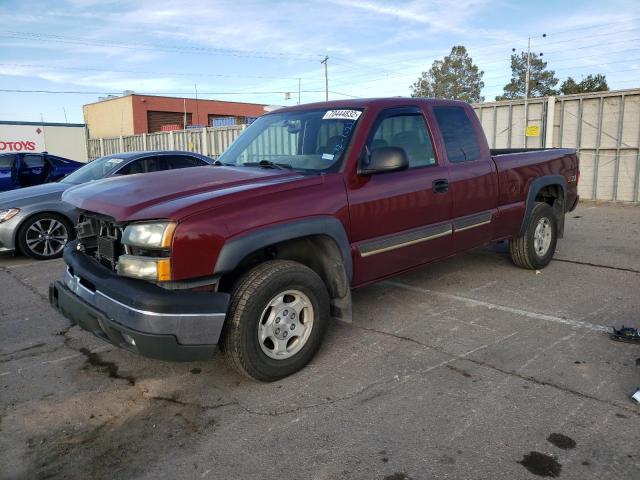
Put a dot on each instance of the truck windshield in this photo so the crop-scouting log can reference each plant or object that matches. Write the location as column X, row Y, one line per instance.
column 307, row 140
column 96, row 170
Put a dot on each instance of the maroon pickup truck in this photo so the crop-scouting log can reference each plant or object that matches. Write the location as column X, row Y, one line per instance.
column 258, row 252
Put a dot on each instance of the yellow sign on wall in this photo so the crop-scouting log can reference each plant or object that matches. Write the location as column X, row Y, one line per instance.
column 532, row 131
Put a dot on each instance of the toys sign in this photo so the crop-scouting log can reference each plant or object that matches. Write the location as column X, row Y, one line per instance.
column 21, row 138
column 19, row 146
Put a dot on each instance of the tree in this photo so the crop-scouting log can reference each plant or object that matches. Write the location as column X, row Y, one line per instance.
column 541, row 80
column 591, row 83
column 454, row 77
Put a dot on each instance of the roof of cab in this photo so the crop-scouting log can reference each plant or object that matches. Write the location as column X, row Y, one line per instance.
column 362, row 103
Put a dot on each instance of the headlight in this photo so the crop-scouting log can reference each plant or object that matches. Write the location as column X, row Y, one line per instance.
column 146, row 268
column 149, row 235
column 8, row 214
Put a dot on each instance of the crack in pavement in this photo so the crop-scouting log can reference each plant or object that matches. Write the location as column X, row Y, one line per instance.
column 597, row 265
column 512, row 373
column 26, row 285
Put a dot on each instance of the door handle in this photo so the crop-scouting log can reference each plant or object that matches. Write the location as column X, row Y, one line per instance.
column 441, row 185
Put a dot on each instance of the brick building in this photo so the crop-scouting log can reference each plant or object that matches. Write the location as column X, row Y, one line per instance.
column 133, row 114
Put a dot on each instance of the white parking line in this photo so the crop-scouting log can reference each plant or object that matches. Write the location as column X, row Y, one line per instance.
column 503, row 308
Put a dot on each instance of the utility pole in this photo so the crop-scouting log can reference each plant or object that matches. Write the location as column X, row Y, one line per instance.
column 526, row 92
column 326, row 78
column 299, row 82
column 527, row 81
column 197, row 113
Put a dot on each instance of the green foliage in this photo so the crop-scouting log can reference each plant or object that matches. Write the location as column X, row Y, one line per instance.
column 454, row 77
column 591, row 83
column 541, row 80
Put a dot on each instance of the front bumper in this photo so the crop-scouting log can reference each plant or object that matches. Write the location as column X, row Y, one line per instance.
column 8, row 233
column 141, row 317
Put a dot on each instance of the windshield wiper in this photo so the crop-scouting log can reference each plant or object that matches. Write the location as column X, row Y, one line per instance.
column 269, row 164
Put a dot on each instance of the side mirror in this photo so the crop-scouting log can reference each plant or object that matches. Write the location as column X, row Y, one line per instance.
column 385, row 159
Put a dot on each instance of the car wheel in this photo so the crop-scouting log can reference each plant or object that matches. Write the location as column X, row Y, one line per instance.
column 535, row 248
column 44, row 236
column 276, row 320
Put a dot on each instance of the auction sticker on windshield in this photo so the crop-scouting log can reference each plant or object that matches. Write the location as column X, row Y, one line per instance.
column 342, row 115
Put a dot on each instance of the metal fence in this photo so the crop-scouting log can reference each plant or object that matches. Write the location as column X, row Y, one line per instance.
column 208, row 141
column 603, row 126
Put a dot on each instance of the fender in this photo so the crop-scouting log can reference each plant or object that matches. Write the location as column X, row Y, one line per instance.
column 535, row 187
column 237, row 248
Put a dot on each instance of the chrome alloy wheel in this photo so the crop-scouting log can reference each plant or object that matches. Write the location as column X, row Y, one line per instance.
column 285, row 324
column 47, row 237
column 542, row 237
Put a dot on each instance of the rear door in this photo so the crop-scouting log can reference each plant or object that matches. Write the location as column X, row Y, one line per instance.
column 400, row 219
column 472, row 176
column 8, row 178
column 33, row 169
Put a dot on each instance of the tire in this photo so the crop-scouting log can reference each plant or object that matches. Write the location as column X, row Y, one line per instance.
column 44, row 236
column 256, row 325
column 535, row 248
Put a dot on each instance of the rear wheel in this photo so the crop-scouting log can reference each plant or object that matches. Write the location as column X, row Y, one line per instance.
column 277, row 317
column 44, row 236
column 535, row 248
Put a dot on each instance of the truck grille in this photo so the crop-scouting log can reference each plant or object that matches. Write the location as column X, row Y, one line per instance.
column 101, row 238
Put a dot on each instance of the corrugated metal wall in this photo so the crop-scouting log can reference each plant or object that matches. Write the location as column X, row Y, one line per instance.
column 604, row 127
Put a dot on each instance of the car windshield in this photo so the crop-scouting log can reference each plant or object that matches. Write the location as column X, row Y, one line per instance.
column 96, row 170
column 306, row 140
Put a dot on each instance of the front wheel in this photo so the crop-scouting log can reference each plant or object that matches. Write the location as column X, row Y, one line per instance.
column 535, row 248
column 44, row 236
column 277, row 317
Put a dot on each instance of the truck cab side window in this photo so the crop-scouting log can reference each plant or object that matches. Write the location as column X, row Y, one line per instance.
column 459, row 136
column 408, row 132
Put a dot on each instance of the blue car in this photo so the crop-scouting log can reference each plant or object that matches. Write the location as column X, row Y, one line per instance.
column 19, row 170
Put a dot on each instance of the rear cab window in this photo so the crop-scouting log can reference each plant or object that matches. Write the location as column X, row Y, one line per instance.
column 459, row 136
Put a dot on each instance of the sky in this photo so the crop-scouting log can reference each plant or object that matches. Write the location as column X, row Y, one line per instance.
column 258, row 51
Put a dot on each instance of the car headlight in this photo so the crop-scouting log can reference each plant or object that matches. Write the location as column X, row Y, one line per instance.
column 8, row 214
column 146, row 268
column 149, row 235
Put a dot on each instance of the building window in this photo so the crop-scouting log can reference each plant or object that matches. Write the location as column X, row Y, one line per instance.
column 222, row 121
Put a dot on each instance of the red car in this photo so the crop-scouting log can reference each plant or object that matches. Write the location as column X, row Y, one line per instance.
column 311, row 201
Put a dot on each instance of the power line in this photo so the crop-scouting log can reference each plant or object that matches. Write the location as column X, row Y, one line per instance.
column 142, row 72
column 82, row 92
column 149, row 46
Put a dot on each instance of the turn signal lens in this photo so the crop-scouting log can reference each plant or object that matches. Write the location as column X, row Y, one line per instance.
column 145, row 268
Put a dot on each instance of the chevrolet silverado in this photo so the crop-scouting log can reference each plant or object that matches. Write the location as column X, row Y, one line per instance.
column 257, row 254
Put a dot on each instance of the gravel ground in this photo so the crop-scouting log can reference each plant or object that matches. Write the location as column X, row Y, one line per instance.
column 469, row 368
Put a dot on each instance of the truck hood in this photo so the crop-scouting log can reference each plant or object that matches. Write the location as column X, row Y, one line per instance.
column 172, row 194
column 29, row 195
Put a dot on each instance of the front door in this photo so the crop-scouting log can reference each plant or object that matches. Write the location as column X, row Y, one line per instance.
column 400, row 219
